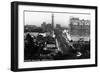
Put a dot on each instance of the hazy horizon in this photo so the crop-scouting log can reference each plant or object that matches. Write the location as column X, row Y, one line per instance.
column 37, row 18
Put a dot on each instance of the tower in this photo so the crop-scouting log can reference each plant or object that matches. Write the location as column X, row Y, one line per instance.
column 52, row 21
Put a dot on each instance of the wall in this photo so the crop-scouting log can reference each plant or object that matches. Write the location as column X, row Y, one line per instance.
column 5, row 17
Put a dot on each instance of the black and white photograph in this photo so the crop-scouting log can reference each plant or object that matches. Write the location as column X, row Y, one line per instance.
column 56, row 36
column 53, row 36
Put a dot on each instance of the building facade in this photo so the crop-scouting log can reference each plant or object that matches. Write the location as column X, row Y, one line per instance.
column 79, row 27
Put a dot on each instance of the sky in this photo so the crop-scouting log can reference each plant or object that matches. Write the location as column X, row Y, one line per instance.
column 37, row 18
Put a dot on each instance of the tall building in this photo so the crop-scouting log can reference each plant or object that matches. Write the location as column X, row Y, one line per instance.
column 43, row 26
column 58, row 26
column 79, row 27
column 49, row 27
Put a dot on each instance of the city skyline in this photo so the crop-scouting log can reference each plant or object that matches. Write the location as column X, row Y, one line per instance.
column 37, row 18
